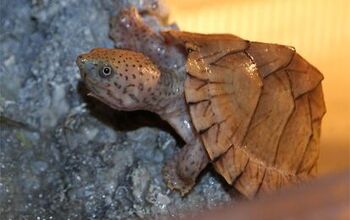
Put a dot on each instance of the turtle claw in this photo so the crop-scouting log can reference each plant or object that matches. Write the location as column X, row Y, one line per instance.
column 174, row 181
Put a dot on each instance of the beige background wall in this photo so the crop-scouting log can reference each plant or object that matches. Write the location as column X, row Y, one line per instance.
column 318, row 29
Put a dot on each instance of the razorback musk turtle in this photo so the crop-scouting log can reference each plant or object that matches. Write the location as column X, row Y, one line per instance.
column 251, row 109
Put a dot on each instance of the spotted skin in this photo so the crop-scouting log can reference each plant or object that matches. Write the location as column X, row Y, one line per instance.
column 128, row 80
column 132, row 83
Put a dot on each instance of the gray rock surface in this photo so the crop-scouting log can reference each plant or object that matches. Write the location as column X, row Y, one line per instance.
column 67, row 156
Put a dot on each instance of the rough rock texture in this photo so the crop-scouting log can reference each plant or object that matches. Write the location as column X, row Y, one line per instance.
column 64, row 155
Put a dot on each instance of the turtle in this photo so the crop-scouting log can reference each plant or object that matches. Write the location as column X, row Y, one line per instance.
column 253, row 110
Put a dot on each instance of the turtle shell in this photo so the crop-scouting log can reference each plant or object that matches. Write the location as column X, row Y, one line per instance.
column 257, row 108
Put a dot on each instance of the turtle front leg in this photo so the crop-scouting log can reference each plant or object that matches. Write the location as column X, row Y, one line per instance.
column 180, row 173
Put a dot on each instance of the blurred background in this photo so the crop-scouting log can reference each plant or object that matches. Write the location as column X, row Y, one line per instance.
column 318, row 29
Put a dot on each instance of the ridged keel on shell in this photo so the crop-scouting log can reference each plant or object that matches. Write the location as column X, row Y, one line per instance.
column 257, row 107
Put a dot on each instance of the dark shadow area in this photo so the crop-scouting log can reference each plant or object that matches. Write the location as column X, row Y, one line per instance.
column 122, row 120
column 232, row 191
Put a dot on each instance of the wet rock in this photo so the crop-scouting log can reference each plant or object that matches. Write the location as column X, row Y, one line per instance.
column 67, row 156
column 140, row 182
column 38, row 167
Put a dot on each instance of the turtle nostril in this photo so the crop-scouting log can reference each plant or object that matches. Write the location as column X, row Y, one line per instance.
column 80, row 60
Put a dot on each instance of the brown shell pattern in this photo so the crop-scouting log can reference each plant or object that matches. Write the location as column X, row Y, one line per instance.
column 257, row 107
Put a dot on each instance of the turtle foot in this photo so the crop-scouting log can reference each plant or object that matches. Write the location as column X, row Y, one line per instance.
column 174, row 181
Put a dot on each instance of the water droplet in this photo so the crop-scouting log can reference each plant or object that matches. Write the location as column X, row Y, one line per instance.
column 154, row 5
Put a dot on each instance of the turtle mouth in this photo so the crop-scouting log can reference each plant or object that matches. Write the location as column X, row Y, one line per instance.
column 91, row 84
column 96, row 88
column 98, row 91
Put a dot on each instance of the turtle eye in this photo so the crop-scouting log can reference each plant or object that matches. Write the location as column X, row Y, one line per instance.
column 106, row 71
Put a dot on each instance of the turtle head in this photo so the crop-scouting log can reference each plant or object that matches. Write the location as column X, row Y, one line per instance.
column 123, row 79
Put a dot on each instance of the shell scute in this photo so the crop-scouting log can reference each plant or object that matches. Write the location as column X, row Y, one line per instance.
column 257, row 107
column 274, row 109
column 303, row 77
column 270, row 58
column 197, row 90
column 295, row 137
